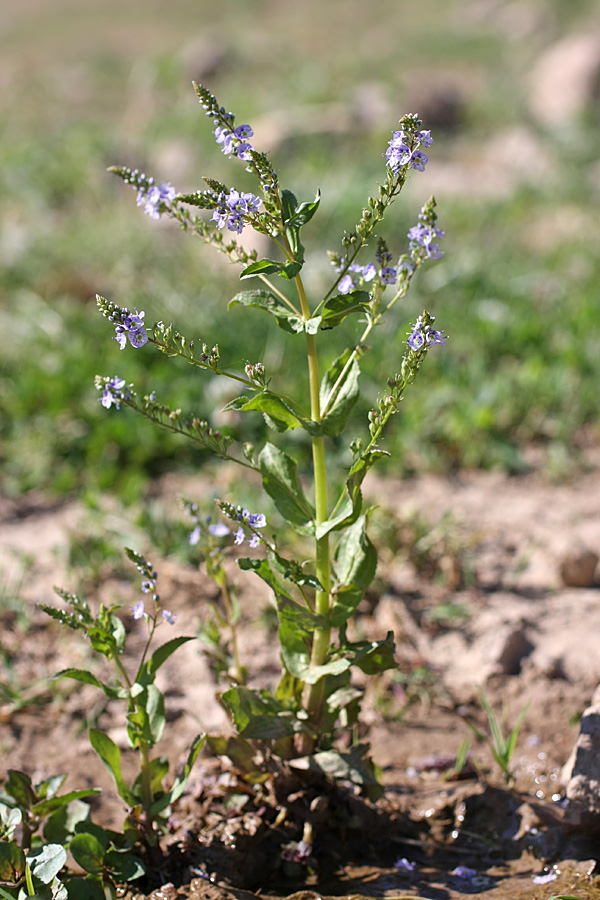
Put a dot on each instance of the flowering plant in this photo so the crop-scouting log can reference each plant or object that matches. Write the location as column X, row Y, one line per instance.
column 317, row 597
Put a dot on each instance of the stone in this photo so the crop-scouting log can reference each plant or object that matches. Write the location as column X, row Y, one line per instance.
column 577, row 567
column 583, row 789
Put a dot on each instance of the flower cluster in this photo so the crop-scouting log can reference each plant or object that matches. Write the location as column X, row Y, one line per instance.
column 232, row 207
column 112, row 391
column 129, row 325
column 149, row 578
column 253, row 520
column 403, row 149
column 234, row 140
column 153, row 197
column 422, row 334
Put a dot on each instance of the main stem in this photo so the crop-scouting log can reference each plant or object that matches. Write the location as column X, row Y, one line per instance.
column 313, row 694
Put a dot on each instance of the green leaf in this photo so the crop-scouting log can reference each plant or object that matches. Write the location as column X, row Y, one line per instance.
column 124, row 865
column 63, row 824
column 162, row 653
column 356, row 562
column 345, row 397
column 341, row 306
column 296, row 623
column 12, row 863
column 147, row 722
column 18, row 785
column 286, row 318
column 258, row 715
column 349, row 510
column 87, row 678
column 300, row 215
column 287, row 270
column 182, row 779
column 292, row 571
column 372, row 657
column 110, row 755
column 45, row 807
column 47, row 862
column 88, row 852
column 282, row 483
column 275, row 408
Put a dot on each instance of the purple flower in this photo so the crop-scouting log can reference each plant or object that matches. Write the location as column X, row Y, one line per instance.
column 168, row 616
column 418, row 160
column 424, row 138
column 257, row 520
column 219, row 529
column 346, row 284
column 544, row 879
column 195, row 536
column 388, row 275
column 148, row 586
column 113, row 393
column 239, row 536
column 436, row 337
column 254, row 540
column 416, row 338
column 463, row 872
column 131, row 326
column 154, row 197
column 138, row 610
column 404, row 864
column 232, row 207
column 243, row 132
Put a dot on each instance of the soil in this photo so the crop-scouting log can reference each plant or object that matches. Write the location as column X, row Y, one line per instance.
column 486, row 582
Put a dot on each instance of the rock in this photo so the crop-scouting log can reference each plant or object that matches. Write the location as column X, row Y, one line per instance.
column 578, row 567
column 511, row 647
column 583, row 789
column 565, row 81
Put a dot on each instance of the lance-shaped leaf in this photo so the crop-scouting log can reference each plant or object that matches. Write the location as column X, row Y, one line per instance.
column 296, row 623
column 286, row 318
column 160, row 655
column 287, row 270
column 282, row 483
column 148, row 720
column 340, row 306
column 346, row 395
column 373, row 657
column 181, row 780
column 258, row 715
column 349, row 510
column 113, row 691
column 110, row 755
column 47, row 861
column 276, row 410
column 356, row 562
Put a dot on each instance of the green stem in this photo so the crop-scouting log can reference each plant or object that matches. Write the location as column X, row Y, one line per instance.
column 313, row 695
column 239, row 672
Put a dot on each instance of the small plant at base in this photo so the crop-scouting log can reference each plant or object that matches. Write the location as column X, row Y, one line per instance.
column 147, row 799
column 315, row 702
column 502, row 747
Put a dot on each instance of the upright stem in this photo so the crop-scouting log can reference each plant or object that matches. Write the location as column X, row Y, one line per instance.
column 313, row 695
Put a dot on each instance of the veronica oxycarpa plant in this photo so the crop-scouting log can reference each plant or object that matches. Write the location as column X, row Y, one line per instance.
column 316, row 597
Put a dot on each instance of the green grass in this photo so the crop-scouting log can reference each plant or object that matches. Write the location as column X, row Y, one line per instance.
column 517, row 289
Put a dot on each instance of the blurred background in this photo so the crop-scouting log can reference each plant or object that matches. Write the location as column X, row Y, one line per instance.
column 511, row 92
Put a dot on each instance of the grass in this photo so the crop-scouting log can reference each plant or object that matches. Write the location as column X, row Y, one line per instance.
column 517, row 290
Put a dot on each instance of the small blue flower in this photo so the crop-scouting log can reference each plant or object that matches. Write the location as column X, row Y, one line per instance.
column 131, row 325
column 168, row 616
column 239, row 536
column 113, row 393
column 219, row 529
column 254, row 540
column 138, row 610
column 195, row 536
column 388, row 275
column 418, row 160
column 463, row 872
column 154, row 198
column 416, row 338
column 404, row 864
column 257, row 520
